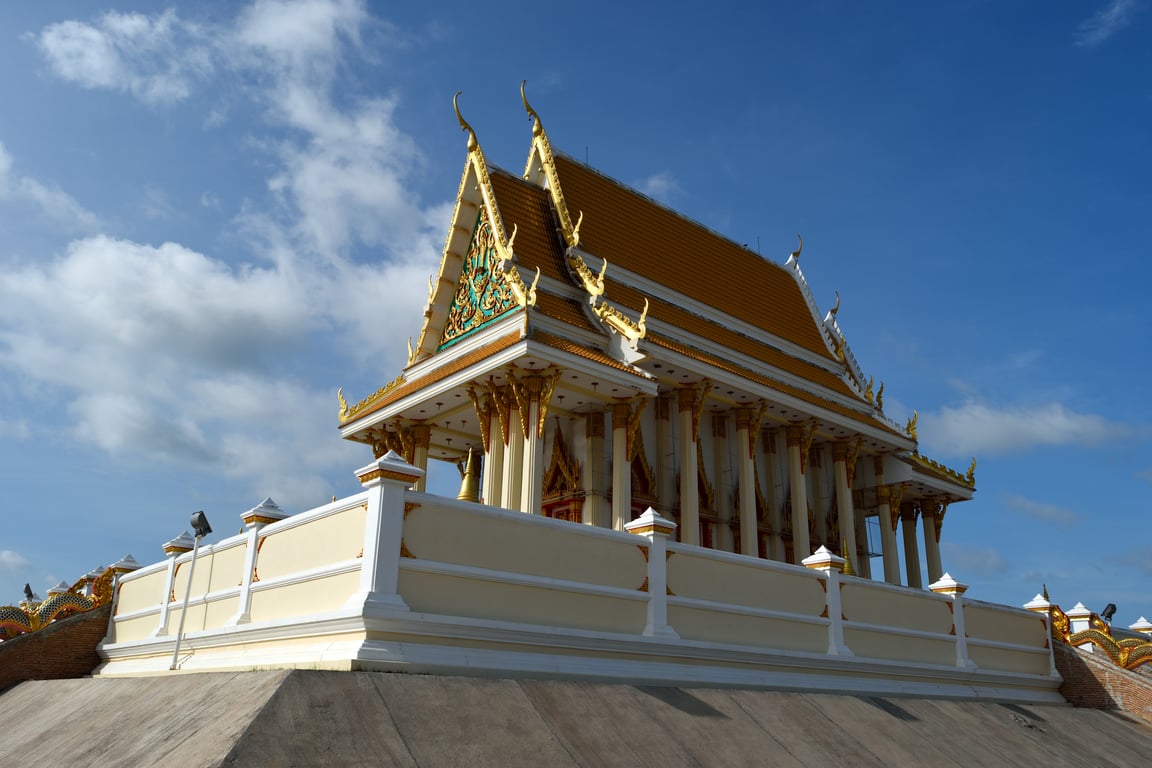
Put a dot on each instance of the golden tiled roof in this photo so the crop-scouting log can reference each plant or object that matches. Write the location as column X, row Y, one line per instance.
column 637, row 234
column 528, row 208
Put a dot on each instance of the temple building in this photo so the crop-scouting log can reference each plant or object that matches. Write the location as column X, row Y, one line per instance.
column 598, row 354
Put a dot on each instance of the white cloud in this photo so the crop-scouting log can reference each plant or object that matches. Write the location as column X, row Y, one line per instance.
column 158, row 59
column 1105, row 23
column 1046, row 513
column 973, row 561
column 166, row 353
column 978, row 429
column 12, row 561
column 661, row 186
column 54, row 205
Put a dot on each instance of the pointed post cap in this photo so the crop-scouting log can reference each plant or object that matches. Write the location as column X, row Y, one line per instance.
column 95, row 573
column 824, row 559
column 60, row 589
column 1142, row 625
column 650, row 522
column 390, row 466
column 1079, row 611
column 263, row 513
column 1038, row 604
column 946, row 585
column 179, row 545
column 125, row 564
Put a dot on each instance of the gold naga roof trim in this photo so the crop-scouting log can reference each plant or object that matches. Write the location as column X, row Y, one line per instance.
column 476, row 208
column 542, row 163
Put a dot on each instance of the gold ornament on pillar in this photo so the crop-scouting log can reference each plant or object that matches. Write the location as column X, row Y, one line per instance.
column 483, row 415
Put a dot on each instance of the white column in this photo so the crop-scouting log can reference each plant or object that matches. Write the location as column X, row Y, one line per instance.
column 621, row 467
column 722, row 473
column 823, row 560
column 254, row 519
column 665, row 455
column 946, row 585
column 774, row 493
column 929, row 518
column 656, row 529
column 887, row 510
column 911, row 550
column 844, row 510
column 799, row 489
column 532, row 482
column 513, row 460
column 596, row 510
column 492, row 479
column 386, row 480
column 746, row 482
column 173, row 549
column 421, row 440
column 689, row 470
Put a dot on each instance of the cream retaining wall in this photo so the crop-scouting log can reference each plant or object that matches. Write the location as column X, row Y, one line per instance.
column 394, row 579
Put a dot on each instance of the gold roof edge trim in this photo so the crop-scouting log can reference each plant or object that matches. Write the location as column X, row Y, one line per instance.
column 967, row 479
column 608, row 315
column 476, row 164
column 348, row 414
column 542, row 149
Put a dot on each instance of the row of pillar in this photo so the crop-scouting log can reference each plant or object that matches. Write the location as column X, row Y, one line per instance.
column 513, row 417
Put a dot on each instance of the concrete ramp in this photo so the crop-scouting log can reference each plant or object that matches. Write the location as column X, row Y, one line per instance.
column 301, row 718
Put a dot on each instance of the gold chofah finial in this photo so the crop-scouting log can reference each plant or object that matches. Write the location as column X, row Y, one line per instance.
column 472, row 143
column 880, row 397
column 834, row 309
column 343, row 402
column 537, row 126
column 469, row 480
column 970, row 476
column 910, row 427
column 796, row 253
column 576, row 230
column 1044, row 590
column 868, row 391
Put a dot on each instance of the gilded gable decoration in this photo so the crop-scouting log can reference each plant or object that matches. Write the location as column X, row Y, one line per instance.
column 481, row 296
column 562, row 478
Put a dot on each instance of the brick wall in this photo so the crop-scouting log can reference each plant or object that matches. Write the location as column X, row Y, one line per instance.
column 1092, row 680
column 65, row 648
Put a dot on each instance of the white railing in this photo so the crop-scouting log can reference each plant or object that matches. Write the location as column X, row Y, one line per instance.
column 393, row 579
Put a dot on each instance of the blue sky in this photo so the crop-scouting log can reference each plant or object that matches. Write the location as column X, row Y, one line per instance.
column 212, row 215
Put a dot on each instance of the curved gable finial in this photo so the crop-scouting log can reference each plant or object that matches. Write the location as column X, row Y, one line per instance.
column 796, row 253
column 472, row 143
column 537, row 126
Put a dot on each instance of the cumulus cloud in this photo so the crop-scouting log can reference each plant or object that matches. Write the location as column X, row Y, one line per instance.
column 12, row 561
column 1105, row 23
column 661, row 186
column 979, row 429
column 1046, row 513
column 158, row 59
column 165, row 353
column 55, row 205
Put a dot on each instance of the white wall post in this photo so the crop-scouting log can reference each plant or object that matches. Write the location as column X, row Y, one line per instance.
column 1040, row 604
column 823, row 560
column 254, row 519
column 946, row 585
column 387, row 479
column 174, row 548
column 1080, row 619
column 656, row 529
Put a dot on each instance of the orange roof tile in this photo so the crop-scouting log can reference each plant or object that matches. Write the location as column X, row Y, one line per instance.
column 641, row 236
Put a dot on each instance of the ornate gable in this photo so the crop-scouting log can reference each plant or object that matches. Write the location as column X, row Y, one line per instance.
column 482, row 295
